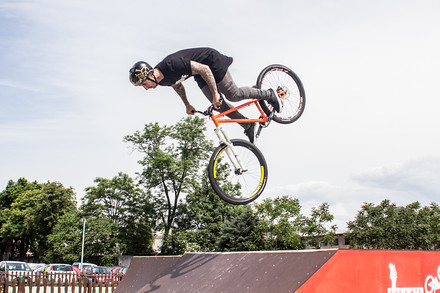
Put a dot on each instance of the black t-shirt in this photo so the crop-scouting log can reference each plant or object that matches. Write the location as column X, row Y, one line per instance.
column 176, row 67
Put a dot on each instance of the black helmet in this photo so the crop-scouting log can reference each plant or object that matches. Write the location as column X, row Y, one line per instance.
column 139, row 72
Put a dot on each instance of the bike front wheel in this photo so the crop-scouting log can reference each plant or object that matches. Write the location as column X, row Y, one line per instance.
column 234, row 185
column 293, row 97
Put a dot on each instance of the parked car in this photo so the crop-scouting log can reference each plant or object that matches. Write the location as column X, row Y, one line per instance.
column 60, row 267
column 57, row 272
column 14, row 266
column 16, row 269
column 100, row 274
column 121, row 270
column 35, row 266
column 41, row 269
column 115, row 269
column 85, row 265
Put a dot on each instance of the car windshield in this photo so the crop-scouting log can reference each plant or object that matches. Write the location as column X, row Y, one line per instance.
column 62, row 268
column 101, row 271
column 17, row 267
column 41, row 269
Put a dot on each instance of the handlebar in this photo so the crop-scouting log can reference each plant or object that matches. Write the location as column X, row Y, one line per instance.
column 207, row 112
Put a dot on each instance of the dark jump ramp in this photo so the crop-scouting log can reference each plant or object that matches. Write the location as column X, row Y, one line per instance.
column 283, row 271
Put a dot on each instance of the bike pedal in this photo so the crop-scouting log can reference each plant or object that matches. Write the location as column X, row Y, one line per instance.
column 266, row 124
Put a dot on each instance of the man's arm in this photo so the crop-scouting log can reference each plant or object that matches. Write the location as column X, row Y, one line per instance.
column 205, row 72
column 180, row 90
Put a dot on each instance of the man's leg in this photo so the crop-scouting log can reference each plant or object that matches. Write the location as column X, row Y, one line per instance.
column 226, row 106
column 233, row 93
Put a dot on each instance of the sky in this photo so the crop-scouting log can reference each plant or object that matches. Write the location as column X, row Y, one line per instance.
column 370, row 130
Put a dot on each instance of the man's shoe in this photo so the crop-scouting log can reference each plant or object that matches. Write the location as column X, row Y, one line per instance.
column 250, row 132
column 274, row 101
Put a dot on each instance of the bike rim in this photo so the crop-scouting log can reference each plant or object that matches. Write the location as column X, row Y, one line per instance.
column 241, row 186
column 292, row 103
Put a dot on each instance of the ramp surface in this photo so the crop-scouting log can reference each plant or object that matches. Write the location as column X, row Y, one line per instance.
column 283, row 271
column 374, row 271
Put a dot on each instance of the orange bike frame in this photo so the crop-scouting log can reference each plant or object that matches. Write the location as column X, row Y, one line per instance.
column 217, row 117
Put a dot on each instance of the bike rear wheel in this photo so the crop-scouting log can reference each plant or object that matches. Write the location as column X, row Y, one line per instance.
column 237, row 186
column 287, row 83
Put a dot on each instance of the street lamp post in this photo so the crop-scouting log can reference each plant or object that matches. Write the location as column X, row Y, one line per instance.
column 82, row 220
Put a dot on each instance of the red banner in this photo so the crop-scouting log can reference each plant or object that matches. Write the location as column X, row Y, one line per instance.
column 378, row 271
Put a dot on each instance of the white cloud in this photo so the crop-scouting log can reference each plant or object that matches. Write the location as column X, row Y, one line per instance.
column 370, row 71
column 417, row 178
column 414, row 180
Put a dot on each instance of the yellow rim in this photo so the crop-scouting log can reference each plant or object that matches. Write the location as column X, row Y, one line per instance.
column 260, row 184
column 216, row 160
column 261, row 178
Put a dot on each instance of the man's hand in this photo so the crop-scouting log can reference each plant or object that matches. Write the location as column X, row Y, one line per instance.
column 190, row 110
column 216, row 101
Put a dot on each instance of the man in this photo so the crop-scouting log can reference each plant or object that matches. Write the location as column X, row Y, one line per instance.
column 210, row 71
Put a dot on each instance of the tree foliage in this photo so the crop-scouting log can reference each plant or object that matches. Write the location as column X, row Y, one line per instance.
column 121, row 201
column 101, row 244
column 29, row 213
column 118, row 218
column 239, row 232
column 172, row 160
column 314, row 227
column 65, row 240
column 279, row 222
column 200, row 218
column 388, row 226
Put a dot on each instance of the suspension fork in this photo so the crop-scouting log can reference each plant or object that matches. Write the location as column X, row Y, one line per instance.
column 230, row 150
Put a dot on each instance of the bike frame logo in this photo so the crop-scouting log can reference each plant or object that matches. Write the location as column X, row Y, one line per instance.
column 432, row 284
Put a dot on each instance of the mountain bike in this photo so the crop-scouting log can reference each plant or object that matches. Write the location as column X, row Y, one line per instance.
column 237, row 169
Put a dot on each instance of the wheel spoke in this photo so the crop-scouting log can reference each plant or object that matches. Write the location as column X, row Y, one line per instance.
column 239, row 187
column 278, row 76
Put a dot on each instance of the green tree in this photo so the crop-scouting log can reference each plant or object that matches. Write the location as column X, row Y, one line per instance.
column 279, row 222
column 176, row 243
column 427, row 227
column 101, row 245
column 172, row 160
column 314, row 226
column 32, row 215
column 428, row 222
column 200, row 219
column 54, row 201
column 239, row 232
column 65, row 242
column 13, row 239
column 388, row 226
column 126, row 205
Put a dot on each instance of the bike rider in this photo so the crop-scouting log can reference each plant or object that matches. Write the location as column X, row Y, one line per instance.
column 210, row 71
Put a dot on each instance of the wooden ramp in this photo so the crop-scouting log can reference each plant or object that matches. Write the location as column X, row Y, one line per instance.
column 283, row 271
column 374, row 271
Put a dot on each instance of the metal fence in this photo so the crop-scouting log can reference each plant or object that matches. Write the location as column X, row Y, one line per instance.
column 22, row 282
